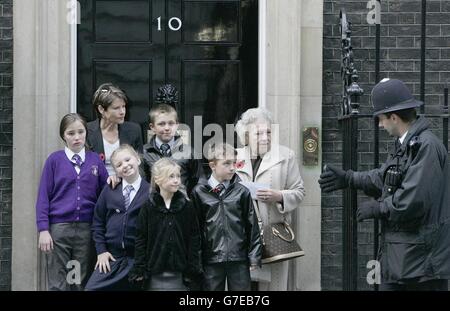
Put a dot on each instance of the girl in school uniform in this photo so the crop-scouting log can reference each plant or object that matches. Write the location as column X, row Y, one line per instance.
column 168, row 238
column 71, row 182
column 114, row 225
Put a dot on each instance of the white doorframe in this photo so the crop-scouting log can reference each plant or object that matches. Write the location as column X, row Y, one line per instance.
column 73, row 54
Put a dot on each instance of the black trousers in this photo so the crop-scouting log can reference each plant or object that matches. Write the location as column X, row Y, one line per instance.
column 237, row 275
column 432, row 285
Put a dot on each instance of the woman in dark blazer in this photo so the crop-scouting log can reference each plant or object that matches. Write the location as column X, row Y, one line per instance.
column 110, row 130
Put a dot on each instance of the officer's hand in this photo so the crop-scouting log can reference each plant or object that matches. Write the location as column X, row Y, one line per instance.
column 333, row 178
column 367, row 210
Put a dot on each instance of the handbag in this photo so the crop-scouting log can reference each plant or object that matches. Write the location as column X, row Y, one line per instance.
column 278, row 241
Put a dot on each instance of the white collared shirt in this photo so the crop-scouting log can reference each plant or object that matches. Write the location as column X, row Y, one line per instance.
column 69, row 154
column 136, row 185
column 213, row 182
column 401, row 139
column 159, row 142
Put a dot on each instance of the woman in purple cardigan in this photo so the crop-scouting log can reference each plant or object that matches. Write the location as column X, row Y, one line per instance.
column 71, row 182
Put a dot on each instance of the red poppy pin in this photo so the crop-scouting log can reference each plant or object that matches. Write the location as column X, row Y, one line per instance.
column 102, row 156
column 240, row 164
column 215, row 190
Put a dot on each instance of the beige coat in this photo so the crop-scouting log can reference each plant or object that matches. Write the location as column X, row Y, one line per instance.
column 278, row 169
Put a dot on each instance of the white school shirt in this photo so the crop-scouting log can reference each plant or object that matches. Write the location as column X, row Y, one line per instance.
column 69, row 154
column 213, row 183
column 159, row 142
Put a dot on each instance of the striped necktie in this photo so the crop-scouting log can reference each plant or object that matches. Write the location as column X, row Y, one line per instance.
column 77, row 159
column 165, row 150
column 126, row 195
column 219, row 189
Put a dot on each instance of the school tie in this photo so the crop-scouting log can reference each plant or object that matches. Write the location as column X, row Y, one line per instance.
column 126, row 195
column 165, row 150
column 219, row 189
column 77, row 159
column 397, row 144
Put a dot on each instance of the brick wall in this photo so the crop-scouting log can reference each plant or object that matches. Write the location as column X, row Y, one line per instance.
column 400, row 58
column 6, row 70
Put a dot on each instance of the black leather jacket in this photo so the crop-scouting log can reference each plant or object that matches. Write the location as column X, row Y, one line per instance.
column 228, row 224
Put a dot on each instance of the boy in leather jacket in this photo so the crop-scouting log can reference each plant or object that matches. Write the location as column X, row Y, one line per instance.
column 231, row 242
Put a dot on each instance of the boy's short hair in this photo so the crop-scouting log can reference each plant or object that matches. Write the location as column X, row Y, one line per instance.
column 221, row 151
column 161, row 108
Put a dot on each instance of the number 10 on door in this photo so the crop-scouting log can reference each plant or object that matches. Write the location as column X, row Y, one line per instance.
column 174, row 23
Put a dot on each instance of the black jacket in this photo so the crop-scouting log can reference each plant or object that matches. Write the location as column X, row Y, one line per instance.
column 415, row 241
column 228, row 224
column 191, row 169
column 167, row 239
column 129, row 133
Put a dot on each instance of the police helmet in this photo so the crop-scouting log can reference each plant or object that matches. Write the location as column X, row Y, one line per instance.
column 392, row 95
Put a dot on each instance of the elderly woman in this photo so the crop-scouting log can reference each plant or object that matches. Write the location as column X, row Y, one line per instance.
column 110, row 130
column 264, row 162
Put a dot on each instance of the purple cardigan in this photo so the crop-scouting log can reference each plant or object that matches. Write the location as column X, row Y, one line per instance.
column 63, row 195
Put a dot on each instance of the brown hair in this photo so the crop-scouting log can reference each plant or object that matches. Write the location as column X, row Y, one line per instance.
column 105, row 95
column 406, row 115
column 67, row 120
column 161, row 108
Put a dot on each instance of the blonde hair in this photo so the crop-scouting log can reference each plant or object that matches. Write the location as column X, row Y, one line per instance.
column 249, row 117
column 220, row 152
column 120, row 149
column 159, row 109
column 161, row 171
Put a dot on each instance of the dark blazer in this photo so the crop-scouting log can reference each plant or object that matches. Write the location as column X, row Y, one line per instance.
column 129, row 133
column 113, row 227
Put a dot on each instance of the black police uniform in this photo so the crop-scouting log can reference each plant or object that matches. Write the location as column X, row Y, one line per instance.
column 413, row 194
column 412, row 191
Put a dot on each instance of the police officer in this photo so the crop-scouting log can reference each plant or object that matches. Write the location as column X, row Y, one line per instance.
column 411, row 192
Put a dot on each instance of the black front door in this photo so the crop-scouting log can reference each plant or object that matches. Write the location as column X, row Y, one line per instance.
column 207, row 49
